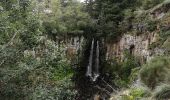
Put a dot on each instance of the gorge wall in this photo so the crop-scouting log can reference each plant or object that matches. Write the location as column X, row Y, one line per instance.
column 138, row 45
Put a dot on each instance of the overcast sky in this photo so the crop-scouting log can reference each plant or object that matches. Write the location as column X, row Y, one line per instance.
column 82, row 0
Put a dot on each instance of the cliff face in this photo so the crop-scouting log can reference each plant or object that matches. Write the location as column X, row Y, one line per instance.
column 137, row 45
column 72, row 47
column 140, row 45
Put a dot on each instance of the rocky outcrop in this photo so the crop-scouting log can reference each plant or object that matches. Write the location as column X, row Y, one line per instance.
column 71, row 47
column 160, row 10
column 137, row 46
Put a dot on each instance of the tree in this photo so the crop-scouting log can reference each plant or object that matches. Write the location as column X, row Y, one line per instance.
column 108, row 15
column 67, row 18
column 30, row 65
column 155, row 72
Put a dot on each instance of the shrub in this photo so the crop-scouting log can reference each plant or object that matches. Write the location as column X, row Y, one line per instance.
column 152, row 25
column 164, row 35
column 127, row 71
column 139, row 92
column 155, row 72
column 166, row 45
column 134, row 74
column 63, row 91
column 147, row 4
column 121, row 83
column 162, row 92
column 129, row 63
column 132, row 94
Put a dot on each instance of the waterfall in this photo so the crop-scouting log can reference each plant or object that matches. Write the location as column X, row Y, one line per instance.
column 93, row 74
column 89, row 67
column 96, row 72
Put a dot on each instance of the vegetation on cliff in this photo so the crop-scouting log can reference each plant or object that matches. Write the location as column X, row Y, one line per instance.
column 33, row 61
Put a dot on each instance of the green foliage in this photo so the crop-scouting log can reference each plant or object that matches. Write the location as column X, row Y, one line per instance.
column 162, row 92
column 166, row 45
column 127, row 71
column 126, row 97
column 120, row 82
column 62, row 70
column 152, row 25
column 153, row 45
column 112, row 68
column 134, row 74
column 139, row 93
column 155, row 72
column 147, row 4
column 117, row 17
column 164, row 34
column 29, row 36
column 67, row 18
column 31, row 67
column 133, row 94
column 62, row 91
column 127, row 66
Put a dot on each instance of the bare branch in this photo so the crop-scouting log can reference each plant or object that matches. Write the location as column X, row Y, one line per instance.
column 109, row 86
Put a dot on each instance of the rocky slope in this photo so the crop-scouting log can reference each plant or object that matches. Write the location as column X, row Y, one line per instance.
column 141, row 45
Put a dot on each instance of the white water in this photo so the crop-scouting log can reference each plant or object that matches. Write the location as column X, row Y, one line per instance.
column 93, row 74
column 96, row 72
column 89, row 67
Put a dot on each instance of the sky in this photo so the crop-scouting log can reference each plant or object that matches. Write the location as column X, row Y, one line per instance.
column 82, row 0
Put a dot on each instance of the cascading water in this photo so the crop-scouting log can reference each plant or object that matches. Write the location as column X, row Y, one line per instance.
column 93, row 74
column 90, row 81
column 89, row 67
column 96, row 72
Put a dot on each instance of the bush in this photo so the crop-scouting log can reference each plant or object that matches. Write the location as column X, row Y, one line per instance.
column 155, row 72
column 164, row 35
column 62, row 91
column 139, row 92
column 152, row 25
column 128, row 65
column 132, row 94
column 166, row 45
column 162, row 92
column 127, row 71
column 134, row 74
column 147, row 4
